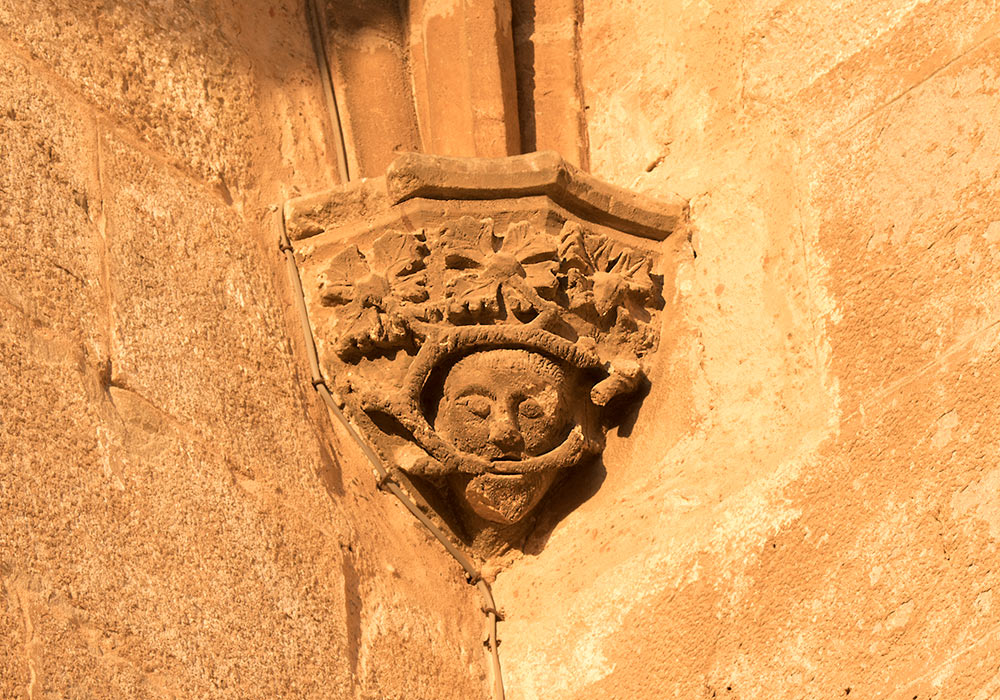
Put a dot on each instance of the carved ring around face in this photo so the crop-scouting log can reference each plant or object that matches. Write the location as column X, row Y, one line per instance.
column 506, row 415
column 504, row 404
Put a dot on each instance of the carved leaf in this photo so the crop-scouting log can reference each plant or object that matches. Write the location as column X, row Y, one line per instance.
column 573, row 249
column 542, row 278
column 471, row 299
column 635, row 269
column 579, row 289
column 466, row 243
column 336, row 284
column 367, row 329
column 528, row 244
column 609, row 292
column 397, row 254
column 537, row 253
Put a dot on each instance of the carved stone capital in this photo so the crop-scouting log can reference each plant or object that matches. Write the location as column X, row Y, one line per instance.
column 479, row 317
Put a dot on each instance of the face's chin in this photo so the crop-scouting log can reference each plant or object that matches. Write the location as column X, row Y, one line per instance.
column 504, row 498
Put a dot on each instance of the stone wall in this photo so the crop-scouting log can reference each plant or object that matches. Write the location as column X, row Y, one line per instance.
column 806, row 504
column 178, row 516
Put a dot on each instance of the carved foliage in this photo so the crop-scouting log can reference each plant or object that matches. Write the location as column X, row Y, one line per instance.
column 375, row 295
column 466, row 272
column 478, row 357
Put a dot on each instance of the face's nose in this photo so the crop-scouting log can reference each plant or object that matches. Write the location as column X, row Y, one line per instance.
column 504, row 434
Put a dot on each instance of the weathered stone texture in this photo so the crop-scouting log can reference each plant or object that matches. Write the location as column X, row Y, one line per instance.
column 178, row 517
column 50, row 248
column 167, row 72
column 182, row 267
column 805, row 506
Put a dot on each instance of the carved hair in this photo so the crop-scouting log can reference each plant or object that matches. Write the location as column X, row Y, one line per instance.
column 506, row 358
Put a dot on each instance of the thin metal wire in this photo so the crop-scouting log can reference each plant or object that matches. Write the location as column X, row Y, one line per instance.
column 384, row 476
column 313, row 19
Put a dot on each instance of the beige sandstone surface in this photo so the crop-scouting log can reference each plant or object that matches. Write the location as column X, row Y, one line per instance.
column 804, row 506
column 179, row 518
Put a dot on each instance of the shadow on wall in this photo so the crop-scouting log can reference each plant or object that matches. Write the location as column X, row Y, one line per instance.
column 575, row 489
column 582, row 483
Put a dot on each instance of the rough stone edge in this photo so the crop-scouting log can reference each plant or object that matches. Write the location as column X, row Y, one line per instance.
column 313, row 214
column 413, row 175
column 416, row 175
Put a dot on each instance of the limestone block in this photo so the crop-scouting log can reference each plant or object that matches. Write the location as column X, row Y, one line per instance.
column 185, row 276
column 58, row 490
column 887, row 48
column 464, row 83
column 137, row 563
column 550, row 94
column 909, row 196
column 15, row 674
column 50, row 261
column 169, row 73
column 369, row 57
column 50, row 313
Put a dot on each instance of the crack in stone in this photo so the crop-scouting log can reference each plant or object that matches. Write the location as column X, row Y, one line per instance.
column 947, row 64
column 29, row 633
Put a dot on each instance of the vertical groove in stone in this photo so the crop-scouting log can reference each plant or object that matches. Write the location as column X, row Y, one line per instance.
column 549, row 74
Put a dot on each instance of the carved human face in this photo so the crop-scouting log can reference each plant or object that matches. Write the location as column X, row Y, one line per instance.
column 504, row 405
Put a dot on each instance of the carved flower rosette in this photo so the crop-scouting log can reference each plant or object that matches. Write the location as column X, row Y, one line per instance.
column 480, row 324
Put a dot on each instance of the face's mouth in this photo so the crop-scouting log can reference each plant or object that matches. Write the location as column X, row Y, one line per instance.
column 517, row 464
column 508, row 456
column 508, row 476
column 575, row 448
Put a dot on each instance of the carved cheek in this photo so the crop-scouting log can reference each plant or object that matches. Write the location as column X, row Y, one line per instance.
column 467, row 422
column 541, row 420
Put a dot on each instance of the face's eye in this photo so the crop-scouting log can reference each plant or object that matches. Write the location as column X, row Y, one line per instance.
column 477, row 405
column 530, row 409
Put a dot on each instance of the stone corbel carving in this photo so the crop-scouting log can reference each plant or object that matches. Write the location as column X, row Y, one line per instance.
column 478, row 317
